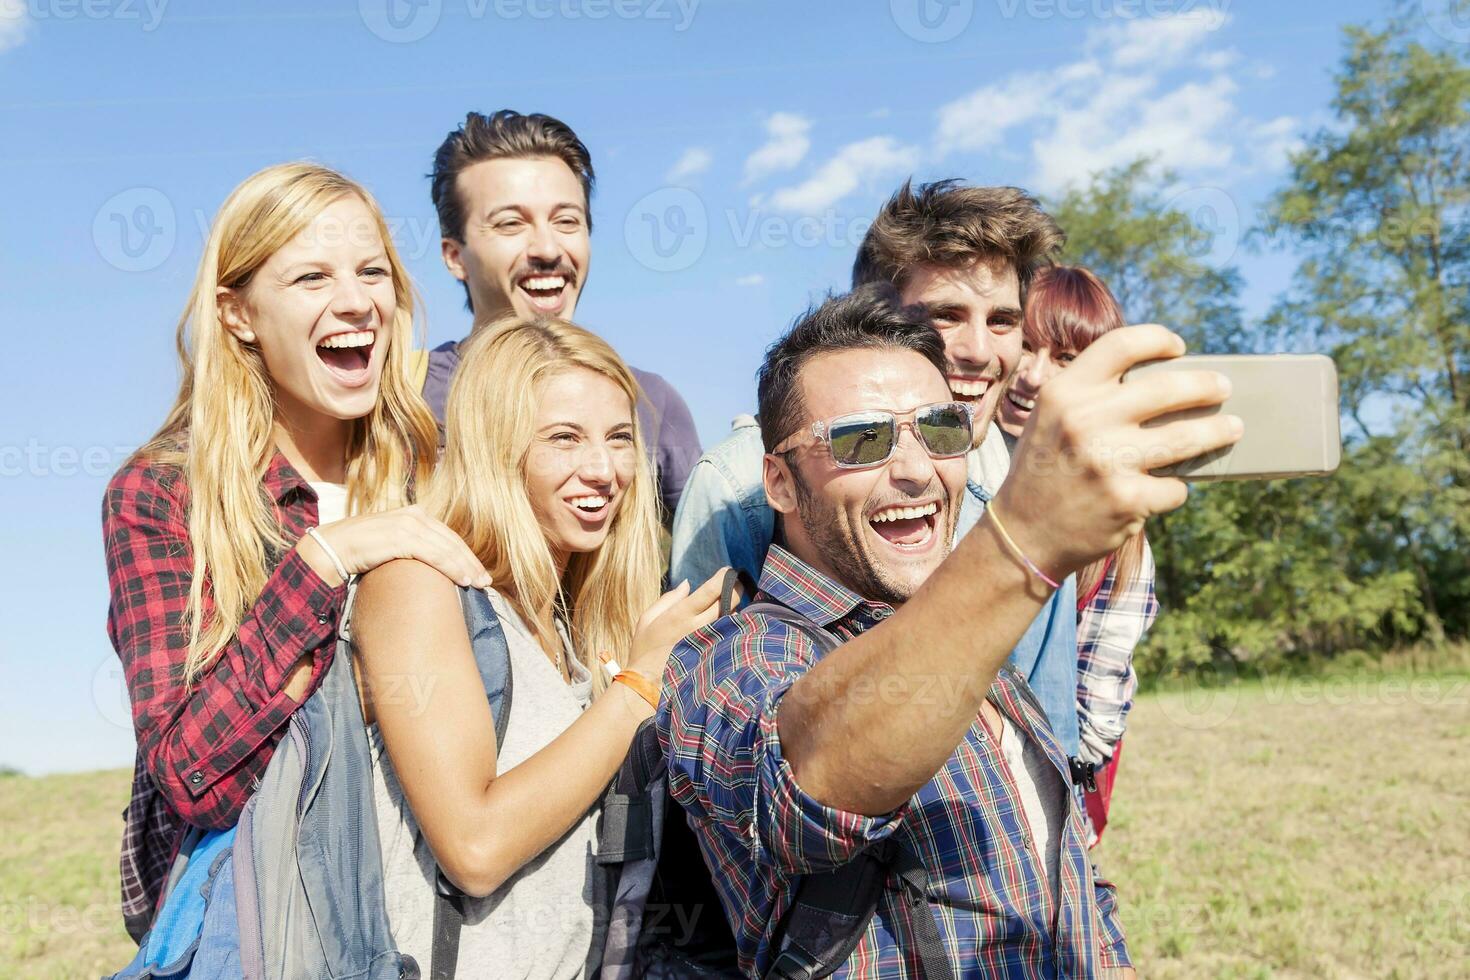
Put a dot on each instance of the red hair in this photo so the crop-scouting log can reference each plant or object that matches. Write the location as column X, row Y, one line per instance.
column 1068, row 308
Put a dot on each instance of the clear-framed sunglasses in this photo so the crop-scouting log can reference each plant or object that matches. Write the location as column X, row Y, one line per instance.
column 945, row 429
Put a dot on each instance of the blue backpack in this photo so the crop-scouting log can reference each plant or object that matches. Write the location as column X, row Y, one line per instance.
column 294, row 890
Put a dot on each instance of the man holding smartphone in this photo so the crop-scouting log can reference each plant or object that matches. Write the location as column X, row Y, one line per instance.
column 967, row 253
column 912, row 734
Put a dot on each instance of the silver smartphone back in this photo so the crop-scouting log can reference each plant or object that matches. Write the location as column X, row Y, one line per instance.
column 1288, row 403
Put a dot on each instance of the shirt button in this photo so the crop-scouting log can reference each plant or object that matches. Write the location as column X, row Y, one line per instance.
column 195, row 778
column 1026, row 839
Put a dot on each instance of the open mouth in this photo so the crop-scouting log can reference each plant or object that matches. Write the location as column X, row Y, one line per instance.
column 347, row 356
column 547, row 292
column 591, row 508
column 1020, row 404
column 969, row 389
column 908, row 528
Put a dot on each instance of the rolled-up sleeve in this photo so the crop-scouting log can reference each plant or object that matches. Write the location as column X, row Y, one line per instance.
column 723, row 692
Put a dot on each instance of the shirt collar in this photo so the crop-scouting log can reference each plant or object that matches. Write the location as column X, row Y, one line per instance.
column 819, row 597
column 281, row 479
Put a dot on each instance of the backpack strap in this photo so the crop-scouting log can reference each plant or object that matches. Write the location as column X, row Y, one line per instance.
column 831, row 911
column 418, row 368
column 492, row 657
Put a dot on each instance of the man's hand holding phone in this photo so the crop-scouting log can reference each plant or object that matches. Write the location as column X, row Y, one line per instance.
column 1081, row 481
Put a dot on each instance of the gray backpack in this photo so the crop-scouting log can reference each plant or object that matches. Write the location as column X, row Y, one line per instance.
column 295, row 890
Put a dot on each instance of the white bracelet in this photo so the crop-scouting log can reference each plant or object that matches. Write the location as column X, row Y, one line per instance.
column 331, row 555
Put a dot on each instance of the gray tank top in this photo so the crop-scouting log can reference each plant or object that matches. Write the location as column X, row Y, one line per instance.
column 539, row 923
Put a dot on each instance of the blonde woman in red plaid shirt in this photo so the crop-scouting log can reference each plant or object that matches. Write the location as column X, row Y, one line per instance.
column 295, row 410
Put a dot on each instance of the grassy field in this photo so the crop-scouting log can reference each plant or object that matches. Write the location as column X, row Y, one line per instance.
column 1305, row 828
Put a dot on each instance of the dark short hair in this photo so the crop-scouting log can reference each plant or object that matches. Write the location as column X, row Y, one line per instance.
column 503, row 135
column 869, row 317
column 950, row 224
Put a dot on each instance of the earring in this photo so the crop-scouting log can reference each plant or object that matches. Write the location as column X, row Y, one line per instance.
column 247, row 336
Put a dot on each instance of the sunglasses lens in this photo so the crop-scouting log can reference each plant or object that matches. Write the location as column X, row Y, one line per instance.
column 861, row 440
column 946, row 429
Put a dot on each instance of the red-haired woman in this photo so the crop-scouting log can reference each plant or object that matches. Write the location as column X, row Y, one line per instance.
column 1067, row 309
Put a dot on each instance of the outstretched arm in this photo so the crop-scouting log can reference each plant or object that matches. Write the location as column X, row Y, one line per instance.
column 1080, row 484
column 422, row 687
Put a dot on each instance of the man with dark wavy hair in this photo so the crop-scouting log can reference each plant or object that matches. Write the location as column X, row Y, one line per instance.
column 967, row 254
column 858, row 724
column 513, row 192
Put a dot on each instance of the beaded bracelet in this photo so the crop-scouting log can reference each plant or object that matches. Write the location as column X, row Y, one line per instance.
column 1016, row 549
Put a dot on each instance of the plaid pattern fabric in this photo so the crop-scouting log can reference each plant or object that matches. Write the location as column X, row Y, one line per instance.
column 1108, row 629
column 200, row 749
column 988, row 885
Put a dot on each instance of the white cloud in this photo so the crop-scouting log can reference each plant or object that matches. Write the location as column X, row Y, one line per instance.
column 786, row 145
column 979, row 120
column 15, row 23
column 1126, row 119
column 1274, row 142
column 854, row 165
column 1151, row 87
column 754, row 279
column 1152, row 43
column 695, row 160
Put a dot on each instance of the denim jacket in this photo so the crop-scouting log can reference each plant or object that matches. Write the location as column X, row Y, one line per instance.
column 724, row 519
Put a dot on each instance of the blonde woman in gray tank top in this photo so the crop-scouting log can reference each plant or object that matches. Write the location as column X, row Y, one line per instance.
column 545, row 478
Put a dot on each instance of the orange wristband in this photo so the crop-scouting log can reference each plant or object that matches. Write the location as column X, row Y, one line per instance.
column 641, row 685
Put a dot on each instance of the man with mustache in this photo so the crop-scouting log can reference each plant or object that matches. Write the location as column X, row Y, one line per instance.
column 967, row 254
column 514, row 193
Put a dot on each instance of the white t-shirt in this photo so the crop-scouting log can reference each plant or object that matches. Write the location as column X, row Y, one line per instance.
column 331, row 502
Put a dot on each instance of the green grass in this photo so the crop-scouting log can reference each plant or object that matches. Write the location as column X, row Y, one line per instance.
column 1315, row 827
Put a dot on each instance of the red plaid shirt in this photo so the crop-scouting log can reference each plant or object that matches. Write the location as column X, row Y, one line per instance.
column 201, row 749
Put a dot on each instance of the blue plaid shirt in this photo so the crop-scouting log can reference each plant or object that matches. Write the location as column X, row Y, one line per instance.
column 760, row 832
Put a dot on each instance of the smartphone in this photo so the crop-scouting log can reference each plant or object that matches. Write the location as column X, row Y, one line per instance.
column 1288, row 403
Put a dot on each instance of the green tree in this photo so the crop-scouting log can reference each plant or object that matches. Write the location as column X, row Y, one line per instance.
column 1274, row 572
column 1377, row 206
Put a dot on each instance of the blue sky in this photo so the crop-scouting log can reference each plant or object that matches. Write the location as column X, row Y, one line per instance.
column 740, row 149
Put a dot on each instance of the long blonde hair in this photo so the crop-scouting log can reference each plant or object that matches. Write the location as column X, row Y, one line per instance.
column 479, row 489
column 220, row 433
